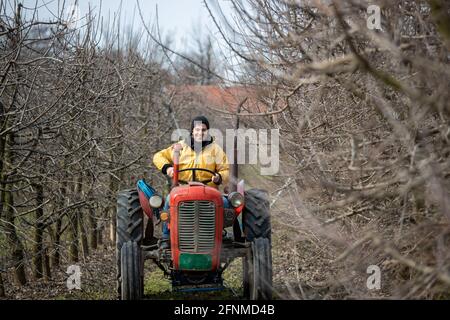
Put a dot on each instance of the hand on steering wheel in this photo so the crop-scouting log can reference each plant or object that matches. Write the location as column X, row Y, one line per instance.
column 216, row 178
column 169, row 172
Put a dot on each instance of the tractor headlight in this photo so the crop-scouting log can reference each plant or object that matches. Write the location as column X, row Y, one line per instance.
column 236, row 199
column 155, row 201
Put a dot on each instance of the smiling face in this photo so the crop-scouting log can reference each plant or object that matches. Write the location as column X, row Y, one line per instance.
column 200, row 132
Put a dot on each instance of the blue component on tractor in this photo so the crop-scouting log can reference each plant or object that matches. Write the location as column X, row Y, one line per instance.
column 145, row 188
column 148, row 192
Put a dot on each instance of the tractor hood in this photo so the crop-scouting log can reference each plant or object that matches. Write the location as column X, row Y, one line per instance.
column 196, row 223
column 195, row 191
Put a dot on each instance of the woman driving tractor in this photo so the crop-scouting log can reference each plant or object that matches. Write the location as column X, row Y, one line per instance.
column 199, row 151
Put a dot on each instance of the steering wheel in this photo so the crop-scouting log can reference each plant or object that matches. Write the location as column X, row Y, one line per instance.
column 199, row 169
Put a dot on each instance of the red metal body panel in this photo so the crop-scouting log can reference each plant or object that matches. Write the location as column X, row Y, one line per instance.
column 193, row 192
column 145, row 205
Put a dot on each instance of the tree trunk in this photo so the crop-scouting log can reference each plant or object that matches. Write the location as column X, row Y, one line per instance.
column 114, row 183
column 2, row 145
column 74, row 227
column 83, row 235
column 112, row 225
column 100, row 228
column 56, row 256
column 38, row 232
column 93, row 228
column 14, row 241
column 2, row 196
column 7, row 200
column 46, row 264
column 73, row 237
column 2, row 287
column 2, row 152
column 113, row 188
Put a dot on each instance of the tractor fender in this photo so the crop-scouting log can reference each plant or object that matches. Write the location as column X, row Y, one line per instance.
column 145, row 192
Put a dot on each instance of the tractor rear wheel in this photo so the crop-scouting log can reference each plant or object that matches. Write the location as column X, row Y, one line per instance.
column 256, row 215
column 131, row 262
column 129, row 227
column 258, row 265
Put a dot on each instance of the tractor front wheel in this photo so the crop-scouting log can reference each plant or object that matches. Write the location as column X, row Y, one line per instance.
column 131, row 263
column 129, row 227
column 258, row 270
column 257, row 265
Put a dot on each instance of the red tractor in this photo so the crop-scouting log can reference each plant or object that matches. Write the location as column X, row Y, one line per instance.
column 200, row 247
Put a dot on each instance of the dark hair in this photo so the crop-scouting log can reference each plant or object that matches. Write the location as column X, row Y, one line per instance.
column 198, row 119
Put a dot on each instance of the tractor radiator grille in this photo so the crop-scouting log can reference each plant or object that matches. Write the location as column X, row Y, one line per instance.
column 196, row 226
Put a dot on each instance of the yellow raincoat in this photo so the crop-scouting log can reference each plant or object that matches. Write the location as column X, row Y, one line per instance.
column 212, row 158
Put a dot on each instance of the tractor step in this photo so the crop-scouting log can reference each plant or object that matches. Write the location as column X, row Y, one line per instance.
column 203, row 281
column 198, row 288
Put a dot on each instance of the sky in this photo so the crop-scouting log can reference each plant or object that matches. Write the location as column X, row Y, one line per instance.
column 175, row 17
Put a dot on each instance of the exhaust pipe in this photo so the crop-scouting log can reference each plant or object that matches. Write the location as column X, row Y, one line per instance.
column 234, row 174
column 176, row 163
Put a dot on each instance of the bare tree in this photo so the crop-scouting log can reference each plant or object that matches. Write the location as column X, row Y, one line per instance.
column 364, row 121
column 78, row 121
column 203, row 52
